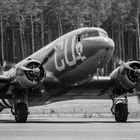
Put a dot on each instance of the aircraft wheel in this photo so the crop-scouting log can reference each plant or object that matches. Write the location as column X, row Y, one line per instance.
column 121, row 112
column 21, row 112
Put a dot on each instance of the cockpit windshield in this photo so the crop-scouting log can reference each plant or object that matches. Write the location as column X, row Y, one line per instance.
column 91, row 34
column 103, row 34
column 94, row 33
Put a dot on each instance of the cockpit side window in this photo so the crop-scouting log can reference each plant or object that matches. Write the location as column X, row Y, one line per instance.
column 79, row 38
column 94, row 33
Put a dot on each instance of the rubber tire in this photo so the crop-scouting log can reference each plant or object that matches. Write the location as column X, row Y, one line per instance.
column 121, row 112
column 21, row 113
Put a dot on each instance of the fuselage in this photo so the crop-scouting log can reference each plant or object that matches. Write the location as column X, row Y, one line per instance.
column 77, row 55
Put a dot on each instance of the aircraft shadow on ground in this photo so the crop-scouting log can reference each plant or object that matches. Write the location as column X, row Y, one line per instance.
column 74, row 122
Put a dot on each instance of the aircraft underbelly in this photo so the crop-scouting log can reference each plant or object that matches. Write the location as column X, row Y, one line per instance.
column 72, row 95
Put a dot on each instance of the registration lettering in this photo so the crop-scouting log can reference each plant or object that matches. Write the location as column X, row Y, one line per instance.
column 68, row 62
column 71, row 47
column 62, row 66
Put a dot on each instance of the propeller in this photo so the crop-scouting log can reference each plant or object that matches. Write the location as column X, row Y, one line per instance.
column 36, row 71
column 33, row 70
column 120, row 62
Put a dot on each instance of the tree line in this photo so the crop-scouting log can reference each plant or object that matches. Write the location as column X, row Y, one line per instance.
column 28, row 25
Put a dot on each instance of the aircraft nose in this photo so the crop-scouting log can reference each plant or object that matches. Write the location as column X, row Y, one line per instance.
column 94, row 44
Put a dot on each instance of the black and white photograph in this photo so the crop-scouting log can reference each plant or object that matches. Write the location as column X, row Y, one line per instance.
column 69, row 69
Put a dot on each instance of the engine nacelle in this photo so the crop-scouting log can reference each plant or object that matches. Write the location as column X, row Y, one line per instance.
column 29, row 78
column 125, row 78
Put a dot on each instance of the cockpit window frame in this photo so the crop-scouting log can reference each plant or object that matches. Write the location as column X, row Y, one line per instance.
column 84, row 35
column 94, row 33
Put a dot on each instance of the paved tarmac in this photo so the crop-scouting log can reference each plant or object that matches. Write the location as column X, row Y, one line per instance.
column 70, row 129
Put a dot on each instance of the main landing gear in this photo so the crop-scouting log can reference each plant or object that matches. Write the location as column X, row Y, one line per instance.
column 120, row 108
column 20, row 106
column 21, row 112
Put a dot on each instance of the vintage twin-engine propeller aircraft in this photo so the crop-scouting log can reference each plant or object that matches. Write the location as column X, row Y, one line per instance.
column 68, row 63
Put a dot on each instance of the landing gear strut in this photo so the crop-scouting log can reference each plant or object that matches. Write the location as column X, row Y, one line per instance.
column 20, row 106
column 120, row 108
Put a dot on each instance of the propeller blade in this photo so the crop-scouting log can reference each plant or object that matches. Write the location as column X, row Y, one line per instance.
column 9, row 64
column 117, row 60
column 127, row 66
column 120, row 62
column 47, row 57
column 34, row 70
column 24, row 68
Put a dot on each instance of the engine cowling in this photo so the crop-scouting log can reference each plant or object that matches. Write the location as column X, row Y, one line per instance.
column 28, row 78
column 124, row 77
